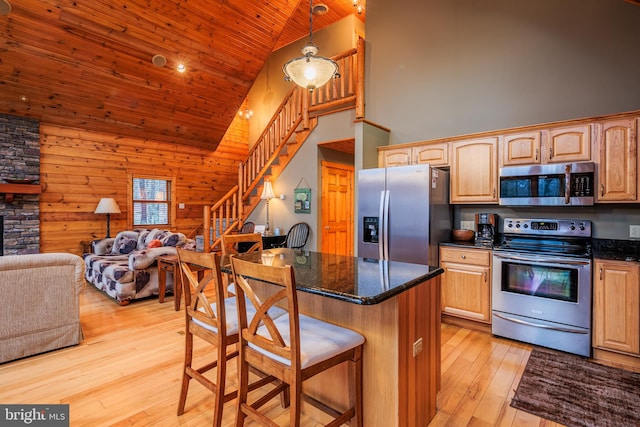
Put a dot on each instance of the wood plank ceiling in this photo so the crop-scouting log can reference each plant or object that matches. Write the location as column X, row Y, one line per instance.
column 88, row 63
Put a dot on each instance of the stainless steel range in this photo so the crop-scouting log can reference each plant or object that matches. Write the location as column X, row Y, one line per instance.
column 542, row 283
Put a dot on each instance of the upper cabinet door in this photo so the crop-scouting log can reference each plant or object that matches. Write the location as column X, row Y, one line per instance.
column 617, row 177
column 474, row 171
column 394, row 157
column 435, row 154
column 567, row 144
column 520, row 149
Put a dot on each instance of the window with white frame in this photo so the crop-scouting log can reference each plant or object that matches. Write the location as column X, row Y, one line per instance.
column 151, row 201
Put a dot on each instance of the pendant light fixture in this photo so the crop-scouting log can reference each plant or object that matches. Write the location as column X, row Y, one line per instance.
column 310, row 71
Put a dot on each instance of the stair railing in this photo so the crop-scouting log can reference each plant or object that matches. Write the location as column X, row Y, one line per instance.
column 293, row 114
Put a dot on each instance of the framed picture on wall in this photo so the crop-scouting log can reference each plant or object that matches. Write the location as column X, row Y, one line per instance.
column 302, row 202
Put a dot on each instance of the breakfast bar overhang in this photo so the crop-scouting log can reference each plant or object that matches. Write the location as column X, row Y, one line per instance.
column 396, row 306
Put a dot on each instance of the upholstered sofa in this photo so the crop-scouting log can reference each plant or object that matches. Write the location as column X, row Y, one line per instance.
column 40, row 303
column 125, row 267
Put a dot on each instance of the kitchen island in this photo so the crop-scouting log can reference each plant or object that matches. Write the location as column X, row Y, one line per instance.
column 396, row 307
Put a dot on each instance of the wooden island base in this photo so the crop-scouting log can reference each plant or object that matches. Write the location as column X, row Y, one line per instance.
column 399, row 389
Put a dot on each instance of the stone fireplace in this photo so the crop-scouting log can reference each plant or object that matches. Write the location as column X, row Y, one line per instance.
column 20, row 159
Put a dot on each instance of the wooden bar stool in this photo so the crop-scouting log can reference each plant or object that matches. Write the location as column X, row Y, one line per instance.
column 233, row 244
column 293, row 347
column 214, row 319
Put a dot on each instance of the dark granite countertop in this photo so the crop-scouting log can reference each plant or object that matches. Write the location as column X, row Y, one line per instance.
column 351, row 279
column 620, row 250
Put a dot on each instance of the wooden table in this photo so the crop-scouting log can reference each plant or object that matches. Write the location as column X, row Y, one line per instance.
column 169, row 264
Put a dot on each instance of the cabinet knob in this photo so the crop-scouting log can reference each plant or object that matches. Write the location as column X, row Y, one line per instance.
column 602, row 189
column 463, row 256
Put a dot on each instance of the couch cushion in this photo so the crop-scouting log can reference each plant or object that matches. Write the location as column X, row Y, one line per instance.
column 113, row 267
column 142, row 238
column 155, row 234
column 125, row 242
column 174, row 239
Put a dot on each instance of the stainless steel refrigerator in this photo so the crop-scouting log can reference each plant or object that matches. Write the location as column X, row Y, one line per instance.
column 403, row 213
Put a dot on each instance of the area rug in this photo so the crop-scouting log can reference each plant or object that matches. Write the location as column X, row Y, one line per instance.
column 574, row 391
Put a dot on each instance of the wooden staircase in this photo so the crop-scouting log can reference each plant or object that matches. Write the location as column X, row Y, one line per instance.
column 281, row 139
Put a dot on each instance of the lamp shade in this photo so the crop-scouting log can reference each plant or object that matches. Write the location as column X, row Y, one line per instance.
column 267, row 191
column 310, row 71
column 107, row 206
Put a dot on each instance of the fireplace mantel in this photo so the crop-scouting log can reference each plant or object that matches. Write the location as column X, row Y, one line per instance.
column 10, row 189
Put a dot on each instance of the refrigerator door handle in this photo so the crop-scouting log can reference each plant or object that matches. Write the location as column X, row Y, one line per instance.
column 381, row 226
column 385, row 226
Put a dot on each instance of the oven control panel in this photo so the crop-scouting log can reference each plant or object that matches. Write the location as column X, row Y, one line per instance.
column 548, row 227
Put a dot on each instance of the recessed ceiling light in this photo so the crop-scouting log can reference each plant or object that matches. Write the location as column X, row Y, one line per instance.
column 181, row 68
column 320, row 9
column 159, row 60
column 5, row 7
column 24, row 98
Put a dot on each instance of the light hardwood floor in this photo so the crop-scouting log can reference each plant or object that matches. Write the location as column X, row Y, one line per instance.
column 128, row 371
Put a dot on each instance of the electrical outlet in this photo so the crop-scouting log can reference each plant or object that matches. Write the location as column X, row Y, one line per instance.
column 467, row 225
column 634, row 231
column 417, row 347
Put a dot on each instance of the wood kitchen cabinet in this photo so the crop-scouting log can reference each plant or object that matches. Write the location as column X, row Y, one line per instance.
column 520, row 149
column 389, row 157
column 616, row 313
column 617, row 159
column 554, row 145
column 466, row 283
column 474, row 171
column 436, row 154
column 567, row 144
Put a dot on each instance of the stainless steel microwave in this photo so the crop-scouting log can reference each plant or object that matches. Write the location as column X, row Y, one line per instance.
column 562, row 184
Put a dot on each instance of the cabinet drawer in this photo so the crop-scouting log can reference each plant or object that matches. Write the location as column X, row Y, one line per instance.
column 466, row 256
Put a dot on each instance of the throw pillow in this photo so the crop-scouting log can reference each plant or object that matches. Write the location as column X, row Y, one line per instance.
column 155, row 244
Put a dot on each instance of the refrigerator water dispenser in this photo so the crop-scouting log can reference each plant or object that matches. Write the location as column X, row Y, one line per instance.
column 370, row 229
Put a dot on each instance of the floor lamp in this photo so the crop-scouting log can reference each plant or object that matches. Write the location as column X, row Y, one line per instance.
column 267, row 194
column 107, row 206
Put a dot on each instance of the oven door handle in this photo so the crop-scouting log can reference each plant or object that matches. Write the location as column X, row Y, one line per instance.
column 537, row 325
column 542, row 260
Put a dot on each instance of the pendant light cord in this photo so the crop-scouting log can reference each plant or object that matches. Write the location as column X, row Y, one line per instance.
column 311, row 21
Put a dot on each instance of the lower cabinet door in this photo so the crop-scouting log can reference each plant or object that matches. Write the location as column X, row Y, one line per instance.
column 466, row 291
column 616, row 306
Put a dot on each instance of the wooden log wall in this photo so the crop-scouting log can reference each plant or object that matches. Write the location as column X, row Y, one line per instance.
column 79, row 166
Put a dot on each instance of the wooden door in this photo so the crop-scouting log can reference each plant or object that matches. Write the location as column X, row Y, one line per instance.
column 617, row 161
column 337, row 208
column 616, row 314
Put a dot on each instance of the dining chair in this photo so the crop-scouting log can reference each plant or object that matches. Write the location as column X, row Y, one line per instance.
column 247, row 228
column 214, row 319
column 237, row 243
column 297, row 236
column 292, row 347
